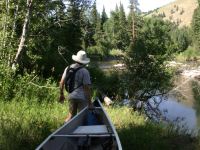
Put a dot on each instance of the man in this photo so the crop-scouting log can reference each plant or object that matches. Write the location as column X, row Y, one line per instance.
column 80, row 97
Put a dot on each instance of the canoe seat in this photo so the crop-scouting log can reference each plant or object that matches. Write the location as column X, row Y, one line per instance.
column 92, row 129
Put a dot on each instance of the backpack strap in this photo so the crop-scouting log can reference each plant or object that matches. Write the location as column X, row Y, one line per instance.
column 74, row 77
column 74, row 69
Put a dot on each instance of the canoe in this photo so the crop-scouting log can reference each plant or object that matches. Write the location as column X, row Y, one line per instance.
column 88, row 130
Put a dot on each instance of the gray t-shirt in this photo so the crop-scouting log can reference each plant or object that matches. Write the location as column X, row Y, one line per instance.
column 82, row 77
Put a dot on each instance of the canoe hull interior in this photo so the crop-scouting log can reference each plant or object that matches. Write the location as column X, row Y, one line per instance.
column 81, row 143
column 81, row 134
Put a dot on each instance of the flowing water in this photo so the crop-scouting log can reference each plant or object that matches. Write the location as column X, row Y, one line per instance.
column 181, row 107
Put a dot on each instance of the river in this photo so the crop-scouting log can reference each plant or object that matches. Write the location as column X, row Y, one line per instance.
column 184, row 116
column 180, row 107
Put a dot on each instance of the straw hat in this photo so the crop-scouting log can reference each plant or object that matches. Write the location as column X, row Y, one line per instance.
column 81, row 57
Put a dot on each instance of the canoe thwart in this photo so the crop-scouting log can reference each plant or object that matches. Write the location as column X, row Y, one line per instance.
column 84, row 135
column 92, row 129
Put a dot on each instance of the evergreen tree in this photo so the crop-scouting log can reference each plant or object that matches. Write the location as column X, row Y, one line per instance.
column 196, row 26
column 115, row 27
column 104, row 18
column 88, row 33
column 93, row 20
column 74, row 15
column 94, row 15
column 123, row 30
column 134, row 10
column 181, row 37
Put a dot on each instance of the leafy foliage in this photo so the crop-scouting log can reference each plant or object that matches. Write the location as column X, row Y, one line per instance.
column 181, row 38
column 146, row 60
column 26, row 87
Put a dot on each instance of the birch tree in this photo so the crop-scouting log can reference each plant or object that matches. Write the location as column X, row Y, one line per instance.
column 24, row 34
column 4, row 26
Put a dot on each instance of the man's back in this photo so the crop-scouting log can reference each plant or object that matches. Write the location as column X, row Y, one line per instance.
column 82, row 77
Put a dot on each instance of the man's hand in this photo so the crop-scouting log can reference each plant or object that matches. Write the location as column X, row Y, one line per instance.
column 90, row 106
column 62, row 98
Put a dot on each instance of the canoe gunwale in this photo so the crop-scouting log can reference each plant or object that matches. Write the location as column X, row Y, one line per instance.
column 63, row 126
column 85, row 135
column 112, row 126
column 106, row 135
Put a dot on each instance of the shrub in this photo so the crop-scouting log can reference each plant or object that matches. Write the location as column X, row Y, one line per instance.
column 106, row 82
column 27, row 87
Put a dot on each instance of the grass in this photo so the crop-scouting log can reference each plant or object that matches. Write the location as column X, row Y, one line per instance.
column 24, row 125
column 188, row 55
column 136, row 132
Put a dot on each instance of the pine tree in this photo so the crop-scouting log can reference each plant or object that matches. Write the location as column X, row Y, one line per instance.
column 115, row 27
column 123, row 33
column 196, row 26
column 93, row 21
column 133, row 10
column 94, row 15
column 74, row 15
column 104, row 18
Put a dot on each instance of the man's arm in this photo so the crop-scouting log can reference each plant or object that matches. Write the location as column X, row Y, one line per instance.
column 61, row 85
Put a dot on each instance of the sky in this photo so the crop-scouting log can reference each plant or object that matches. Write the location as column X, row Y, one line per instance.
column 144, row 5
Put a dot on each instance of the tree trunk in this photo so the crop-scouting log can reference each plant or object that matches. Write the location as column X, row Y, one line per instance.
column 15, row 19
column 133, row 20
column 24, row 34
column 10, row 54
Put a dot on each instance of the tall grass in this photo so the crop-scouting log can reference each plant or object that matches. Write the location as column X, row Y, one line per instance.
column 137, row 132
column 25, row 125
column 29, row 112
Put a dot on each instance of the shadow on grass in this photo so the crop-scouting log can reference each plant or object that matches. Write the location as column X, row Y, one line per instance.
column 16, row 137
column 144, row 137
column 153, row 137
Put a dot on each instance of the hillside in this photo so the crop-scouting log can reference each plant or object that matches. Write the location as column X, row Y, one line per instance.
column 179, row 11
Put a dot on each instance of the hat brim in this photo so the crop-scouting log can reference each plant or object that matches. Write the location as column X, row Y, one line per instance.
column 86, row 61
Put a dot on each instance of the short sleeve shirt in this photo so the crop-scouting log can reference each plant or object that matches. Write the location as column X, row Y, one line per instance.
column 82, row 77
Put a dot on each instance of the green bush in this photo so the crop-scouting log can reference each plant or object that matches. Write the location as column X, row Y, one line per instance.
column 27, row 87
column 108, row 83
column 116, row 52
column 145, row 62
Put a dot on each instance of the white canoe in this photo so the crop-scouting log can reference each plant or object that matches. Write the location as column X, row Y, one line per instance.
column 81, row 134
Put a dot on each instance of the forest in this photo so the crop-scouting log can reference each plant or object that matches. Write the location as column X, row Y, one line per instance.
column 37, row 41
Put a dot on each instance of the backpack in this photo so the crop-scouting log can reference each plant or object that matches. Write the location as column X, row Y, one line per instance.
column 70, row 79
